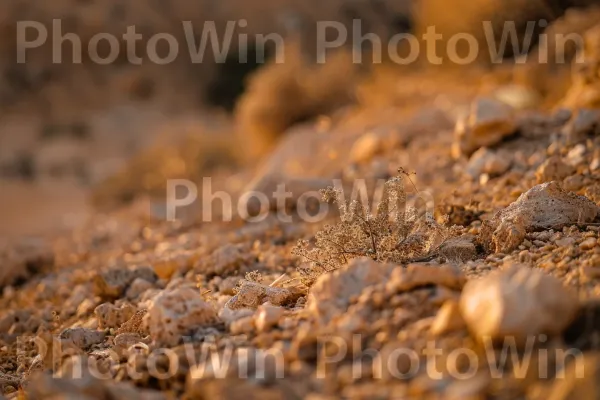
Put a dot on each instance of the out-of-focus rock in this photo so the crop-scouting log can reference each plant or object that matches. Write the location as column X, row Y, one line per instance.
column 460, row 249
column 517, row 96
column 81, row 337
column 252, row 294
column 229, row 315
column 87, row 387
column 135, row 324
column 580, row 380
column 22, row 260
column 79, row 295
column 518, row 302
column 111, row 316
column 242, row 326
column 225, row 260
column 137, row 288
column 419, row 275
column 267, row 316
column 584, row 123
column 176, row 313
column 448, row 319
column 111, row 284
column 544, row 206
column 331, row 293
column 485, row 161
column 488, row 122
column 585, row 88
column 365, row 148
column 553, row 169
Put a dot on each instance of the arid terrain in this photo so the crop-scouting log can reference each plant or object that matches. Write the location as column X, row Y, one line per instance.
column 440, row 238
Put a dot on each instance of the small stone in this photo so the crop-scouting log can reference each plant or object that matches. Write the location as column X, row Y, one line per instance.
column 252, row 294
column 553, row 169
column 488, row 122
column 517, row 302
column 125, row 340
column 485, row 161
column 448, row 319
column 576, row 155
column 227, row 286
column 112, row 284
column 365, row 148
column 225, row 260
column 588, row 244
column 267, row 316
column 137, row 288
column 418, row 275
column 86, row 307
column 565, row 242
column 585, row 122
column 110, row 316
column 176, row 313
column 229, row 316
column 82, row 338
column 242, row 326
column 459, row 250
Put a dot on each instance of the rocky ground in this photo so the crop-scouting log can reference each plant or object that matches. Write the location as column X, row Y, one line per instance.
column 488, row 288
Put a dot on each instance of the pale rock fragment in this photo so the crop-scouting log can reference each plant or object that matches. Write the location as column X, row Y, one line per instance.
column 485, row 161
column 111, row 284
column 267, row 316
column 553, row 169
column 518, row 303
column 448, row 319
column 176, row 313
column 488, row 122
column 330, row 295
column 365, row 148
column 111, row 316
column 585, row 122
column 419, row 275
column 460, row 249
column 543, row 207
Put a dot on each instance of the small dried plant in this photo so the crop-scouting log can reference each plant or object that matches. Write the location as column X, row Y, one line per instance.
column 395, row 233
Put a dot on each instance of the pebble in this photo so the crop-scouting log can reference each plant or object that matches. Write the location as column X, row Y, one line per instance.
column 365, row 148
column 448, row 319
column 175, row 313
column 488, row 122
column 517, row 302
column 565, row 242
column 588, row 244
column 267, row 316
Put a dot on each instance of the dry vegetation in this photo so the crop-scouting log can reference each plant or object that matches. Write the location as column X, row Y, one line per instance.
column 393, row 234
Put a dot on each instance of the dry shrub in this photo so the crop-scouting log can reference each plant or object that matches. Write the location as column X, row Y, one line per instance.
column 192, row 157
column 394, row 234
column 281, row 95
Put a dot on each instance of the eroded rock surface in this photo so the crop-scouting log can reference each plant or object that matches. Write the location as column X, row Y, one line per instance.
column 176, row 313
column 517, row 303
column 544, row 206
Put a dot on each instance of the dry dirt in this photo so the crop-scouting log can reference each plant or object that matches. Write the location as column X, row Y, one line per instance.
column 108, row 292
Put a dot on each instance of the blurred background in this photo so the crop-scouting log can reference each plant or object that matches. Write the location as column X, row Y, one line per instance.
column 78, row 139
